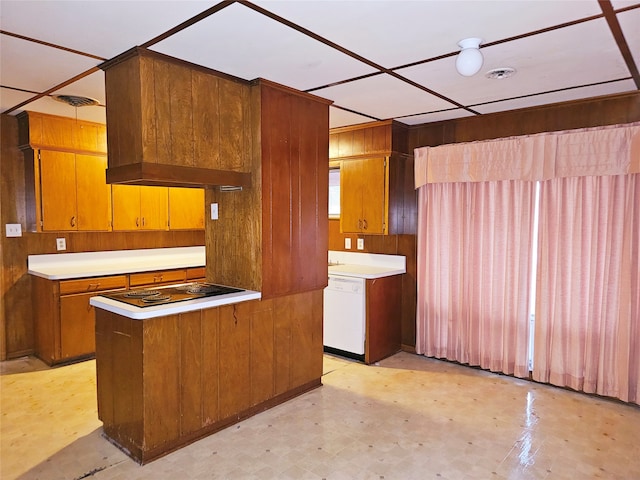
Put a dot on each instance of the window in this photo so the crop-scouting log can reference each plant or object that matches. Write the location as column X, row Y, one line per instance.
column 334, row 193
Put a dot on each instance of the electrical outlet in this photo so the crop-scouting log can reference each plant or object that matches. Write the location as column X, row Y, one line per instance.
column 347, row 244
column 61, row 243
column 214, row 211
column 360, row 245
column 13, row 229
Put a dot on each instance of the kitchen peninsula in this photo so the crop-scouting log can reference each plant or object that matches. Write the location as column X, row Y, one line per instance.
column 261, row 152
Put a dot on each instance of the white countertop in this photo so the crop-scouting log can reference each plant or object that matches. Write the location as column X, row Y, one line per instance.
column 365, row 265
column 142, row 313
column 63, row 266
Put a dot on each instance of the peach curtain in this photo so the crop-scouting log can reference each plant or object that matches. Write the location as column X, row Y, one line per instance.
column 474, row 255
column 475, row 217
column 612, row 150
column 588, row 289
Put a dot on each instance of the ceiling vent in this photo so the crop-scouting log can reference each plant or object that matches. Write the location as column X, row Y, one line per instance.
column 76, row 101
column 500, row 73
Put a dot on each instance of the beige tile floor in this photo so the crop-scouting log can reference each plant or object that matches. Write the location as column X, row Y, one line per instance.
column 407, row 418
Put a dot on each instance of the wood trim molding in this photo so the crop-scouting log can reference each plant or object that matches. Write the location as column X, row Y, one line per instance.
column 155, row 174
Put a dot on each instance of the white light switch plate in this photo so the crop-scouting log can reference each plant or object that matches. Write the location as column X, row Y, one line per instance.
column 13, row 229
column 214, row 211
column 61, row 244
column 360, row 245
column 347, row 243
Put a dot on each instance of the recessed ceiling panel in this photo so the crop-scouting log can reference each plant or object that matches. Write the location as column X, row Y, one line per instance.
column 543, row 63
column 241, row 42
column 395, row 33
column 383, row 97
column 35, row 67
column 555, row 97
column 104, row 28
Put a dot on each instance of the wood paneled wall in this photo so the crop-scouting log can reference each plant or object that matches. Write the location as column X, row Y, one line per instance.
column 594, row 112
column 272, row 237
column 295, row 184
column 16, row 324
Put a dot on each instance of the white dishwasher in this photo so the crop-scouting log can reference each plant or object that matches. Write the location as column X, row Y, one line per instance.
column 345, row 316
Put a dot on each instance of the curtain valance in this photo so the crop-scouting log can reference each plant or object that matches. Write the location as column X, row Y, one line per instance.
column 611, row 150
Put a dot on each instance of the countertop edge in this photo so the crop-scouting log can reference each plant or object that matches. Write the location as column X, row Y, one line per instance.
column 139, row 313
column 369, row 276
column 69, row 275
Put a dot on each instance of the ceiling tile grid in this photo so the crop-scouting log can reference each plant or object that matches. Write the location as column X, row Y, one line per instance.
column 375, row 59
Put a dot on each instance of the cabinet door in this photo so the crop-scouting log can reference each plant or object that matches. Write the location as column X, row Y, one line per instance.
column 77, row 326
column 186, row 208
column 58, row 191
column 154, row 208
column 362, row 196
column 373, row 195
column 93, row 193
column 234, row 372
column 351, row 196
column 126, row 207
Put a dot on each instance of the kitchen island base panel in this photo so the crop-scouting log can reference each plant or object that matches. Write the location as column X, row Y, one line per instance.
column 142, row 456
column 165, row 382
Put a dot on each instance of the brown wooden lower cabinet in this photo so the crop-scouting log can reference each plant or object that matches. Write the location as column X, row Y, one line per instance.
column 383, row 324
column 168, row 381
column 64, row 319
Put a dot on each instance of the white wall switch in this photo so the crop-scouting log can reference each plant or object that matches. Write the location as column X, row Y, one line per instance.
column 14, row 229
column 214, row 211
column 347, row 243
column 61, row 243
column 360, row 245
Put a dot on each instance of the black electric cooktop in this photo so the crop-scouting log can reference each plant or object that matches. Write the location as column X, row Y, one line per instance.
column 147, row 297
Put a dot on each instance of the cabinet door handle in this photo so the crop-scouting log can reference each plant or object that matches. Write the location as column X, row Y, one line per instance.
column 143, row 221
column 93, row 286
column 365, row 223
column 137, row 221
column 73, row 221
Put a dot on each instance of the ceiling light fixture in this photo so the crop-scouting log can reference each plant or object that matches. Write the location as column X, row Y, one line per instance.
column 469, row 60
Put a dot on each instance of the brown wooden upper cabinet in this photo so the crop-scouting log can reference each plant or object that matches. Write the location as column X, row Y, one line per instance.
column 175, row 124
column 51, row 132
column 186, row 208
column 377, row 195
column 140, row 207
column 363, row 187
column 74, row 195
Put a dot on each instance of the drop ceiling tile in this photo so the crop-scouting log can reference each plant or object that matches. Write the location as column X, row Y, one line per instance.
column 395, row 33
column 342, row 118
column 9, row 98
column 623, row 3
column 544, row 62
column 630, row 24
column 91, row 86
column 382, row 97
column 241, row 42
column 554, row 97
column 48, row 105
column 105, row 28
column 435, row 116
column 36, row 67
